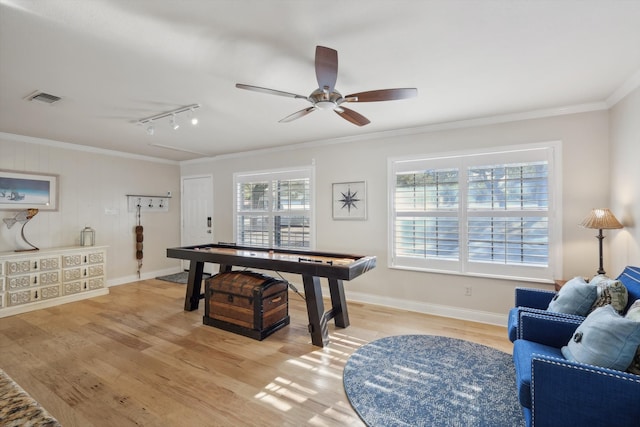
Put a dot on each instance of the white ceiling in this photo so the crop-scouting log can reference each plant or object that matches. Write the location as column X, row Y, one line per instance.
column 117, row 61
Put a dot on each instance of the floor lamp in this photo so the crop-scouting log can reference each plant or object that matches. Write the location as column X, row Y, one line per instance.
column 601, row 219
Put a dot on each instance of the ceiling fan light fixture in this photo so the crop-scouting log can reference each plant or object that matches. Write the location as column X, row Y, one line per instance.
column 326, row 105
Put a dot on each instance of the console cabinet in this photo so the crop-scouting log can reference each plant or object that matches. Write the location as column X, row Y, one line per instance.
column 44, row 278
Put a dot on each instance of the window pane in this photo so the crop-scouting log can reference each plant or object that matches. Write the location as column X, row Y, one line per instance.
column 292, row 194
column 253, row 230
column 292, row 232
column 430, row 237
column 253, row 196
column 428, row 190
column 515, row 186
column 509, row 240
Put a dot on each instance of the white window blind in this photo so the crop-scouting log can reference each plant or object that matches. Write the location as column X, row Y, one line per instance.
column 273, row 209
column 490, row 213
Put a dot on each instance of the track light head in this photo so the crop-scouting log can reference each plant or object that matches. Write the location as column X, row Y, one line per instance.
column 150, row 129
column 174, row 125
column 194, row 119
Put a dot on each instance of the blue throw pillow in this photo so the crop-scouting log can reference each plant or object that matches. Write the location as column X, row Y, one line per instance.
column 604, row 339
column 575, row 297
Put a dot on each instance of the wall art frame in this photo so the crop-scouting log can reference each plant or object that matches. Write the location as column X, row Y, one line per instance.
column 28, row 190
column 349, row 200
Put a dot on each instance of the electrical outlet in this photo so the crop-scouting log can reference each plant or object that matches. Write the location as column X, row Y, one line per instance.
column 467, row 291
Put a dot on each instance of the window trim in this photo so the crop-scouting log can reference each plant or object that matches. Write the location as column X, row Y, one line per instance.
column 552, row 151
column 282, row 173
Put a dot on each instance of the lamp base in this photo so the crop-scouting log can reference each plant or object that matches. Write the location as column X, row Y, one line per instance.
column 600, row 237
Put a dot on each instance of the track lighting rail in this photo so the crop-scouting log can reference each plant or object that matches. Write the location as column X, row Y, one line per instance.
column 169, row 113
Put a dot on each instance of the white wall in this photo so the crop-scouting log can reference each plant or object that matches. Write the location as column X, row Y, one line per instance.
column 92, row 182
column 584, row 139
column 625, row 182
column 89, row 184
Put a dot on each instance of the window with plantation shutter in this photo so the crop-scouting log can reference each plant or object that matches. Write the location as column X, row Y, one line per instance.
column 492, row 213
column 273, row 209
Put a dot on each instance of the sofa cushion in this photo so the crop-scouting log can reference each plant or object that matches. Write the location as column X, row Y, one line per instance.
column 609, row 291
column 604, row 339
column 630, row 278
column 512, row 324
column 575, row 297
column 634, row 314
column 523, row 352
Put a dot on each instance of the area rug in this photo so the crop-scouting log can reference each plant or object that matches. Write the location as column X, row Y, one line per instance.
column 424, row 380
column 181, row 277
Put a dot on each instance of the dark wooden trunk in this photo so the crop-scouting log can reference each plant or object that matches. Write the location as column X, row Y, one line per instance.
column 246, row 303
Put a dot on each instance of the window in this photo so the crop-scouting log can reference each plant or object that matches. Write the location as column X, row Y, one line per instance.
column 488, row 214
column 273, row 209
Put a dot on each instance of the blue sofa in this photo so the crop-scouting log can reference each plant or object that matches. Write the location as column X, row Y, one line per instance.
column 537, row 300
column 554, row 391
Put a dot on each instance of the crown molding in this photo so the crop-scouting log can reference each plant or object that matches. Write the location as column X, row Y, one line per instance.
column 435, row 127
column 627, row 87
column 77, row 147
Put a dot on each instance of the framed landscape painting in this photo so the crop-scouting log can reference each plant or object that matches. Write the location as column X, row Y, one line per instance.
column 25, row 190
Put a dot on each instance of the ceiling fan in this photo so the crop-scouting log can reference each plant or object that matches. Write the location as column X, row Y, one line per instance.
column 327, row 98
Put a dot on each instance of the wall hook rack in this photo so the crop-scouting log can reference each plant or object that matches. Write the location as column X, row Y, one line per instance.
column 148, row 203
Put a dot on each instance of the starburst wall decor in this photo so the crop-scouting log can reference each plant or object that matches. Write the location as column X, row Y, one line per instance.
column 350, row 200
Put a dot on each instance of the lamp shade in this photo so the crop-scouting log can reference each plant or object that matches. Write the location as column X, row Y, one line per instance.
column 601, row 218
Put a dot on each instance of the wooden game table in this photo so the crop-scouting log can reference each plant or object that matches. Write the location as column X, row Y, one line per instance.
column 311, row 265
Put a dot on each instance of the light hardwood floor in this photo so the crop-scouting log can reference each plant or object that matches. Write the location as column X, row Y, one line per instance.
column 134, row 357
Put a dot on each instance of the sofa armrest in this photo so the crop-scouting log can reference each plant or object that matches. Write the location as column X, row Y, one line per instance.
column 534, row 298
column 552, row 329
column 566, row 393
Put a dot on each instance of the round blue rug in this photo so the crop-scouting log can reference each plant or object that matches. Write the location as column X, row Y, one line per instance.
column 424, row 380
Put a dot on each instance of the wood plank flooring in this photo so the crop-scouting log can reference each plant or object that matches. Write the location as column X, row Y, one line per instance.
column 135, row 358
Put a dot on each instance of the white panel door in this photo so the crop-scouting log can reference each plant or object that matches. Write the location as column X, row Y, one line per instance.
column 197, row 212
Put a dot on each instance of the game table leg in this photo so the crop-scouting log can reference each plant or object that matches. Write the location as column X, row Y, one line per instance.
column 338, row 303
column 315, row 310
column 194, row 286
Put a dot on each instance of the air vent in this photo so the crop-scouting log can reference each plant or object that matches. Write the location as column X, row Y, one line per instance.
column 47, row 98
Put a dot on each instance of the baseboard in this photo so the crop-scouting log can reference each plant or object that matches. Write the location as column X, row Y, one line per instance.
column 402, row 304
column 427, row 308
column 143, row 276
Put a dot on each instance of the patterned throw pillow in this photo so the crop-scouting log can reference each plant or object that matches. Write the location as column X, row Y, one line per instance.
column 575, row 297
column 634, row 314
column 610, row 291
column 604, row 339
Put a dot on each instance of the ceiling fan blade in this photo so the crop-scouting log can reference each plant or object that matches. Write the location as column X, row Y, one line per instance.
column 269, row 91
column 382, row 95
column 352, row 116
column 297, row 115
column 326, row 68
